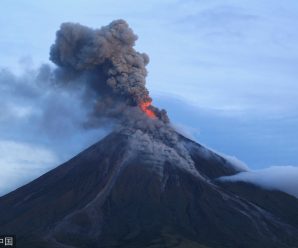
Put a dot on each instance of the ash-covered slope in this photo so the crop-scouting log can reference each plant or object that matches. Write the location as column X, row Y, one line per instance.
column 139, row 188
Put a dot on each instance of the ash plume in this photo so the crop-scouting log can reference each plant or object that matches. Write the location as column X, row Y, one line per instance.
column 111, row 70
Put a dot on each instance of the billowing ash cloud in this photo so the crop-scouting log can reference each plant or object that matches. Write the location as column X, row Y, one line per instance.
column 97, row 85
column 105, row 61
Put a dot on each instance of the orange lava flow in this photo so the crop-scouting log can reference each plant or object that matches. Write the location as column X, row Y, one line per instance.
column 145, row 108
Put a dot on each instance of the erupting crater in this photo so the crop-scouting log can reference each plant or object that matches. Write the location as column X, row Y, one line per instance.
column 146, row 108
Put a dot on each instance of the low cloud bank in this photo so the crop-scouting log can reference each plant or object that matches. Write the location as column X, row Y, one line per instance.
column 284, row 178
column 235, row 162
column 22, row 162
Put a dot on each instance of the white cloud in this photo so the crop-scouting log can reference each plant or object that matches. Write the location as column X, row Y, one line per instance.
column 22, row 162
column 284, row 178
column 232, row 160
column 19, row 111
column 237, row 163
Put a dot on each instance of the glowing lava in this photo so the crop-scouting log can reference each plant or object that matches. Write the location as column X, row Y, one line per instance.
column 145, row 107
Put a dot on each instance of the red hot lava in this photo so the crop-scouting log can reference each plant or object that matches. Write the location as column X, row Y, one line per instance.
column 145, row 107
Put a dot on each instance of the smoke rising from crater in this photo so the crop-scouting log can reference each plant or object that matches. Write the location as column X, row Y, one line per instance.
column 97, row 85
column 106, row 62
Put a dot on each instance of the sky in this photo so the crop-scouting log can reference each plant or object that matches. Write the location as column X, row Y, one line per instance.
column 225, row 70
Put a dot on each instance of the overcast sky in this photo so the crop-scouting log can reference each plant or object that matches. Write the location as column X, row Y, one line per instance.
column 225, row 70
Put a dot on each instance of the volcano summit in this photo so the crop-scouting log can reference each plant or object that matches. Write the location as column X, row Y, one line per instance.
column 144, row 185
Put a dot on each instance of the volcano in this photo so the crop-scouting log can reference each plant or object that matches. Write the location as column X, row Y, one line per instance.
column 140, row 188
column 144, row 185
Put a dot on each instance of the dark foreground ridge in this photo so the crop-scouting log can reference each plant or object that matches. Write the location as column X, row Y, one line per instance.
column 135, row 190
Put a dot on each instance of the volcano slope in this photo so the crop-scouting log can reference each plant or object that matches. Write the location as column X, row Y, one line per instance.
column 140, row 188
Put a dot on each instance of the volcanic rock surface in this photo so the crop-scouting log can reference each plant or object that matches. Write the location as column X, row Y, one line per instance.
column 137, row 188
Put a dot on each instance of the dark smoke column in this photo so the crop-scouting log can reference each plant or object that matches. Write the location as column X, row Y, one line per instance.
column 117, row 72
